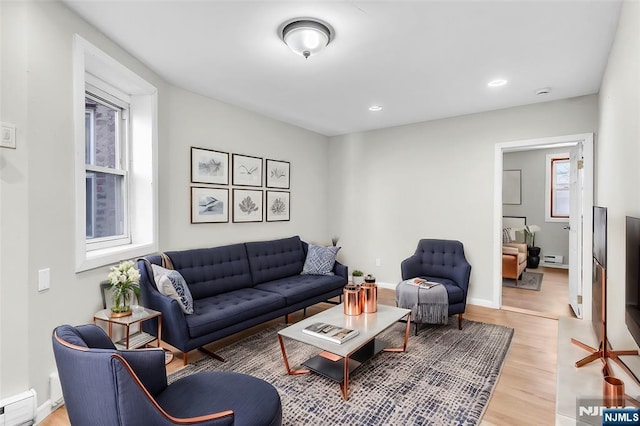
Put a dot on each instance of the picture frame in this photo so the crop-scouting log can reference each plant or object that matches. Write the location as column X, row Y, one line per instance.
column 209, row 166
column 511, row 187
column 209, row 205
column 247, row 205
column 247, row 170
column 107, row 294
column 278, row 206
column 277, row 174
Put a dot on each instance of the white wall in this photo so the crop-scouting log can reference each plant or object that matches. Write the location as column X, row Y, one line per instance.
column 552, row 238
column 617, row 156
column 37, row 182
column 394, row 186
column 205, row 123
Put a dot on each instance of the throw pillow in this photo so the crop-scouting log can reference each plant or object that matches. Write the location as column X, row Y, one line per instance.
column 172, row 284
column 508, row 235
column 320, row 260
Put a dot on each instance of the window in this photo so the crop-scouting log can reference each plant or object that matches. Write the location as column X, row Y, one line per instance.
column 116, row 171
column 106, row 171
column 558, row 188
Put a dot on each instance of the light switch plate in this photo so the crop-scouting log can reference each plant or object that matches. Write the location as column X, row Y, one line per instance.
column 8, row 135
column 44, row 279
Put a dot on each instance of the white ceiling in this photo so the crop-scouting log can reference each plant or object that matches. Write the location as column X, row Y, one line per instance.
column 420, row 60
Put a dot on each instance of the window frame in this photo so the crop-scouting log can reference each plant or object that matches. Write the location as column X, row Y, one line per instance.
column 550, row 186
column 91, row 66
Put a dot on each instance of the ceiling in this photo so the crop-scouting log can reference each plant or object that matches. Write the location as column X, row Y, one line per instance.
column 420, row 60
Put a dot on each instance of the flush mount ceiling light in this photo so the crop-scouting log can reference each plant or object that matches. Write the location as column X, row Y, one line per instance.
column 375, row 108
column 497, row 82
column 306, row 37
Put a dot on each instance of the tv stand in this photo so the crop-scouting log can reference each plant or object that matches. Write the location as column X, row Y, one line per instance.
column 605, row 353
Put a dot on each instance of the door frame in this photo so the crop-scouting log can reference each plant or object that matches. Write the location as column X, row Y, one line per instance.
column 587, row 206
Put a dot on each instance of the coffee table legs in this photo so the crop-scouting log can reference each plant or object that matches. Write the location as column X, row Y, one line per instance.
column 286, row 361
column 406, row 338
column 344, row 386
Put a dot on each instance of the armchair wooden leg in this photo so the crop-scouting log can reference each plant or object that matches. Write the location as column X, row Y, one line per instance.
column 459, row 321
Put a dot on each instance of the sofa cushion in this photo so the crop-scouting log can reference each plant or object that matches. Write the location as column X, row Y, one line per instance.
column 172, row 284
column 301, row 287
column 320, row 260
column 213, row 271
column 217, row 312
column 275, row 259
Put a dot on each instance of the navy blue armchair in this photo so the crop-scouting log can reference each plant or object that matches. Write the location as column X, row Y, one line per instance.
column 103, row 386
column 442, row 261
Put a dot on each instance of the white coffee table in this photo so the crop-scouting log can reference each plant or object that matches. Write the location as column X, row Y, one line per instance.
column 337, row 361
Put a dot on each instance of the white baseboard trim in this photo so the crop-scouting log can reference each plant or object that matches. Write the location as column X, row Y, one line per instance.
column 44, row 410
column 390, row 286
column 482, row 302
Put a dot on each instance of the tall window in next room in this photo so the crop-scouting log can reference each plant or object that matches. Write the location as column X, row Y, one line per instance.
column 558, row 188
column 106, row 136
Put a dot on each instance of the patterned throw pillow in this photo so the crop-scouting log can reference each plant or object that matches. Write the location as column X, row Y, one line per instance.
column 172, row 284
column 320, row 260
column 507, row 235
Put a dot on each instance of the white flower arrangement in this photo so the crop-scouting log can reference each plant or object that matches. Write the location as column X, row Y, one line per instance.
column 124, row 279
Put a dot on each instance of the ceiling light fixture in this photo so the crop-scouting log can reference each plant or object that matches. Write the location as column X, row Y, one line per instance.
column 497, row 82
column 375, row 108
column 306, row 37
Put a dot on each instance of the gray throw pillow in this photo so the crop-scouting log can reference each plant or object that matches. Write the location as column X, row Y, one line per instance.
column 320, row 260
column 171, row 283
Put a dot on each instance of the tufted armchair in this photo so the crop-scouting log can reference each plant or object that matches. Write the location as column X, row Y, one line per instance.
column 442, row 261
column 106, row 387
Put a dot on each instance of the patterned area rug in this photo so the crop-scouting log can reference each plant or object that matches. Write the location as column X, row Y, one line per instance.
column 529, row 281
column 446, row 377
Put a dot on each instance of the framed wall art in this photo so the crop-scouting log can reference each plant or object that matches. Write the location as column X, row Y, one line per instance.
column 511, row 187
column 247, row 205
column 209, row 166
column 247, row 170
column 278, row 206
column 209, row 205
column 277, row 174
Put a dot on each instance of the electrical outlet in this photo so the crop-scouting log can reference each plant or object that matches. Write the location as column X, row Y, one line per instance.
column 44, row 279
column 378, row 261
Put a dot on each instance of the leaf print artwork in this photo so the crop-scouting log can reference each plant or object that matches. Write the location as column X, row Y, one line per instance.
column 248, row 206
column 277, row 173
column 278, row 207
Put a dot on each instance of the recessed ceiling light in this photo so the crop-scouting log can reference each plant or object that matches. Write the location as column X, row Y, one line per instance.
column 497, row 82
column 375, row 108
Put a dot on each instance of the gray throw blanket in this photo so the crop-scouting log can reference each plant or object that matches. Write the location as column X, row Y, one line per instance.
column 428, row 305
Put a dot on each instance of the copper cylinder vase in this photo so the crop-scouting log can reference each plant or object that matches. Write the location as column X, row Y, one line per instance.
column 613, row 392
column 352, row 300
column 369, row 298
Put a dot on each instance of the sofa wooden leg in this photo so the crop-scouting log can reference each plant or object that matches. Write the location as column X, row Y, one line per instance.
column 459, row 321
column 211, row 354
column 286, row 319
column 185, row 358
column 304, row 312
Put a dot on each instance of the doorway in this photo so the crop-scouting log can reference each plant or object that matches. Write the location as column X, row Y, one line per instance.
column 579, row 228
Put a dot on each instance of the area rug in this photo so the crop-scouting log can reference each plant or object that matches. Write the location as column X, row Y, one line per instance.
column 446, row 377
column 529, row 281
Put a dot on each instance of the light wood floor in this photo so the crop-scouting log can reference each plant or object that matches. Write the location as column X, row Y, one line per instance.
column 552, row 300
column 525, row 393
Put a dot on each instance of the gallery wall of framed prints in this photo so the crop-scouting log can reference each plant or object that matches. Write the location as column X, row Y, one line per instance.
column 259, row 190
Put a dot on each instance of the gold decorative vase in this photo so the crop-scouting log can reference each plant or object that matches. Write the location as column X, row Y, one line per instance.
column 613, row 392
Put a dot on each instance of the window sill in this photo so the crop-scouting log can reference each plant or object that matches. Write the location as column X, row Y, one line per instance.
column 112, row 255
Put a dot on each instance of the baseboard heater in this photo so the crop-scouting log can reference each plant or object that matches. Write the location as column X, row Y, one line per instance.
column 18, row 410
column 553, row 258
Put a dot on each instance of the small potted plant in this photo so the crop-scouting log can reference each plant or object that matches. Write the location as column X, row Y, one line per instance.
column 357, row 277
column 124, row 279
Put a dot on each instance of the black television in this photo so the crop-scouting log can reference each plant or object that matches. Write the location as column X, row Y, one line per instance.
column 632, row 277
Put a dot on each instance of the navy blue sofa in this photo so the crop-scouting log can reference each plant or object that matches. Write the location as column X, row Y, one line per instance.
column 442, row 261
column 106, row 387
column 235, row 287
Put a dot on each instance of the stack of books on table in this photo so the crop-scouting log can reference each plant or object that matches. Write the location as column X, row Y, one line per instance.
column 329, row 332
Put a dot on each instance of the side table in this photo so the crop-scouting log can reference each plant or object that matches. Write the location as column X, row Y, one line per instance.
column 138, row 339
